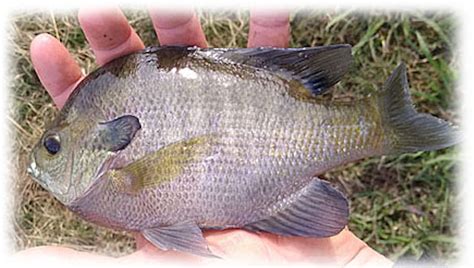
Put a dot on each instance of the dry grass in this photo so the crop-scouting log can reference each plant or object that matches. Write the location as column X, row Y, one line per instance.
column 403, row 206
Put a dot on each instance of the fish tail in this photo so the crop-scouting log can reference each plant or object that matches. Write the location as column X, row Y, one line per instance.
column 408, row 130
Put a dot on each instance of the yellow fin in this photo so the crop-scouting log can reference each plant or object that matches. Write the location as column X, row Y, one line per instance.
column 164, row 165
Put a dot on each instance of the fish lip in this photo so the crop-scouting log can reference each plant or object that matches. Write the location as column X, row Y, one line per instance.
column 32, row 169
column 44, row 180
column 38, row 176
column 34, row 172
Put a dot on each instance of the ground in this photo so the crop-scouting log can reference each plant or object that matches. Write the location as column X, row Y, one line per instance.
column 402, row 206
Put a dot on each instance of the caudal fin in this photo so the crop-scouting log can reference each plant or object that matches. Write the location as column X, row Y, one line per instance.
column 408, row 130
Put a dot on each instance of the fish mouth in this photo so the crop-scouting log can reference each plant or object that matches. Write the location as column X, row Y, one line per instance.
column 44, row 179
column 34, row 172
column 32, row 168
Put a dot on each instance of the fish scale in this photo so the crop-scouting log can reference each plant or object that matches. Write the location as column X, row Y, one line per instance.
column 172, row 140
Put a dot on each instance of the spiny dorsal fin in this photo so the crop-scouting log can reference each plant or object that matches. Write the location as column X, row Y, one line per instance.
column 317, row 68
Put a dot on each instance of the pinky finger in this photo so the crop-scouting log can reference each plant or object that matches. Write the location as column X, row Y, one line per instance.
column 56, row 68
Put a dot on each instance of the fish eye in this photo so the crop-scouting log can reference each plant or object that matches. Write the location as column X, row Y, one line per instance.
column 52, row 144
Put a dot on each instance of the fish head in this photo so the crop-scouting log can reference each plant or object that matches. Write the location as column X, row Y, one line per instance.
column 69, row 158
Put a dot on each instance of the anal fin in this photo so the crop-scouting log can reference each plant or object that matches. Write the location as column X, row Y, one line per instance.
column 186, row 237
column 317, row 210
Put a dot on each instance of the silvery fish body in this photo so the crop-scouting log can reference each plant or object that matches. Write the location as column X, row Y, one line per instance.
column 172, row 140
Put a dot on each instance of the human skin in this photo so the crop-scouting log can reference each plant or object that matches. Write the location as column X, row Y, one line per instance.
column 110, row 36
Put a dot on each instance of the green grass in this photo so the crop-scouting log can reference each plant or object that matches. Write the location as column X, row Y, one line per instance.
column 402, row 206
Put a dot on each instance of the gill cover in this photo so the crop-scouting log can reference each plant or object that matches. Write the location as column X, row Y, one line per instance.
column 69, row 156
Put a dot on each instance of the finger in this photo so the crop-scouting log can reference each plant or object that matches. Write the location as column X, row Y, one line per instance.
column 240, row 245
column 237, row 245
column 140, row 241
column 342, row 249
column 269, row 29
column 108, row 33
column 59, row 255
column 56, row 68
column 147, row 251
column 365, row 256
column 178, row 28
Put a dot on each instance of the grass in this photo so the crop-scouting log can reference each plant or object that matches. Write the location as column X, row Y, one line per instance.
column 403, row 206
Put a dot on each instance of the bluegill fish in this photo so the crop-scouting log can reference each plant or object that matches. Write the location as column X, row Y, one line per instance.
column 173, row 140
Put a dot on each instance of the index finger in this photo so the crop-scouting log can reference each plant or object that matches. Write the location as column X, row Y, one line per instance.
column 109, row 34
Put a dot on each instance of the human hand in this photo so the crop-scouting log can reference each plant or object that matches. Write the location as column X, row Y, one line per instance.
column 110, row 36
column 236, row 246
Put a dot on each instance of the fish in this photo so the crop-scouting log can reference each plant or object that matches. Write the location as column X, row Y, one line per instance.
column 170, row 141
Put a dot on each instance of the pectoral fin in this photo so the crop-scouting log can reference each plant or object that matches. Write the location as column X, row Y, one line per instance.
column 186, row 236
column 318, row 210
column 163, row 165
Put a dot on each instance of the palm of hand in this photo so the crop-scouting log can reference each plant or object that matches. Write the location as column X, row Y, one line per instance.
column 110, row 36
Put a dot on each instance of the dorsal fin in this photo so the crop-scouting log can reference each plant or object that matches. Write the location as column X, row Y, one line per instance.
column 317, row 68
